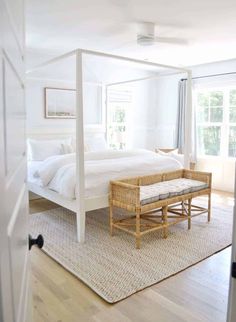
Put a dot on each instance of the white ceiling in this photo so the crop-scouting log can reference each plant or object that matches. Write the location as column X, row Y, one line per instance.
column 58, row 26
column 98, row 69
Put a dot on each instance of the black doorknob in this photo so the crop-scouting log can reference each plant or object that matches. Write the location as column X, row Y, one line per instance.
column 39, row 241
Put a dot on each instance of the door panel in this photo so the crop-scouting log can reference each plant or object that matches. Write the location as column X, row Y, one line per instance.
column 14, row 119
column 18, row 249
column 15, row 10
column 14, row 258
column 13, row 188
column 11, row 45
column 231, row 316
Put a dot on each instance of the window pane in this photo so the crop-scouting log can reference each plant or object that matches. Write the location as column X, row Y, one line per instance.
column 119, row 115
column 209, row 140
column 200, row 115
column 119, row 105
column 216, row 114
column 232, row 141
column 117, row 137
column 232, row 114
column 206, row 114
column 232, row 97
column 203, row 99
column 216, row 98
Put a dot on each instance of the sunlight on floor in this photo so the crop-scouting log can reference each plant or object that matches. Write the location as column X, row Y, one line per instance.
column 221, row 197
column 227, row 199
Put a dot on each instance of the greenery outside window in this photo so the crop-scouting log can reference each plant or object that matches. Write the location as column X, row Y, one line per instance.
column 118, row 109
column 216, row 121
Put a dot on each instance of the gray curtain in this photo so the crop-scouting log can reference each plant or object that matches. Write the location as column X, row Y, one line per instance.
column 182, row 105
column 182, row 102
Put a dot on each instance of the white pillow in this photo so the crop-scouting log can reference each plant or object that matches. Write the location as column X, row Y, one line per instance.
column 39, row 150
column 96, row 143
column 178, row 157
column 167, row 153
column 173, row 154
column 73, row 143
column 67, row 148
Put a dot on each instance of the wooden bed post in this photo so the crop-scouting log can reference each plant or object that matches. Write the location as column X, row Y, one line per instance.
column 80, row 203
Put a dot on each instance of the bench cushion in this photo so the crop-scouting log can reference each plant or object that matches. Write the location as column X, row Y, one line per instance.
column 168, row 189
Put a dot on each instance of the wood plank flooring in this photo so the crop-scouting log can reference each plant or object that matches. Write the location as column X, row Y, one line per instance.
column 196, row 294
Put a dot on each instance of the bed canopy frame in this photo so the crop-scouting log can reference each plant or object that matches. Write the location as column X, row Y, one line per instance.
column 81, row 204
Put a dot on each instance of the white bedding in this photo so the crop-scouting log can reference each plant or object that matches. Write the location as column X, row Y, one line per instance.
column 58, row 172
column 33, row 166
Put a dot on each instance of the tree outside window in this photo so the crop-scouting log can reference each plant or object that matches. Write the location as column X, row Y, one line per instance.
column 119, row 104
column 216, row 122
column 232, row 121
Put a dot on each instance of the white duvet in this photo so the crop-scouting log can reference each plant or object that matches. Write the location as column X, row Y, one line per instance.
column 58, row 173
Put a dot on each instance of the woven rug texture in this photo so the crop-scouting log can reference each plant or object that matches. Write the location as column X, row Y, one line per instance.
column 112, row 266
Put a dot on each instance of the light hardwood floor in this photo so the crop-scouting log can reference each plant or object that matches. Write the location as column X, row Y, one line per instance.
column 196, row 294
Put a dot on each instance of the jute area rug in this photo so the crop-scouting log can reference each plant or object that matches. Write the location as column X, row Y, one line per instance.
column 111, row 266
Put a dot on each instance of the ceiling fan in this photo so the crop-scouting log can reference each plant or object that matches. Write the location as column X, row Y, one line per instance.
column 146, row 36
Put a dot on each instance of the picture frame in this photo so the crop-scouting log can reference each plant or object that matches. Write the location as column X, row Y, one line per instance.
column 59, row 103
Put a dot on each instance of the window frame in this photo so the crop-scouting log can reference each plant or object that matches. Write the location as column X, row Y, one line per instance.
column 224, row 125
column 126, row 92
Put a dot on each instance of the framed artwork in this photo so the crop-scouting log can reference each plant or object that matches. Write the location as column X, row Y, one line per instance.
column 60, row 103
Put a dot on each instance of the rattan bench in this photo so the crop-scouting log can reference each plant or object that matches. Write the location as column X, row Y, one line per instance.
column 160, row 211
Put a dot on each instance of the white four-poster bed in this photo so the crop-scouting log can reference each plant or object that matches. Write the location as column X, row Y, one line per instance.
column 81, row 204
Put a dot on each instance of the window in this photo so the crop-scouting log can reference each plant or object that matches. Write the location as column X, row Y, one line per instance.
column 118, row 108
column 232, row 123
column 216, row 121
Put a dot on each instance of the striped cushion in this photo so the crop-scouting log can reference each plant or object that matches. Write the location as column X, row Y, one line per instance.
column 167, row 189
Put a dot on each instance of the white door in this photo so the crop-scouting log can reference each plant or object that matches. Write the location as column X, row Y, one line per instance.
column 14, row 259
column 232, row 291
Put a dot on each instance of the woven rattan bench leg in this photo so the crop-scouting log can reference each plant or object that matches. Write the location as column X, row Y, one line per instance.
column 111, row 218
column 164, row 213
column 209, row 207
column 138, row 236
column 189, row 212
column 182, row 205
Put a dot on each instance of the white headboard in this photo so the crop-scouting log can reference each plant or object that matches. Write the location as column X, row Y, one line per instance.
column 47, row 133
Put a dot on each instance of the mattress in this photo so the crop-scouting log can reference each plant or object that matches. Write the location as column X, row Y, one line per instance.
column 58, row 173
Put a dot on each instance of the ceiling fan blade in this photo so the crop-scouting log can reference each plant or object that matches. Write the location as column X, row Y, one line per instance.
column 171, row 40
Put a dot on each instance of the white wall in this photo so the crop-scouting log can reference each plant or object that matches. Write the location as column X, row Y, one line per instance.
column 226, row 66
column 166, row 91
column 154, row 114
column 155, row 109
column 223, row 169
column 62, row 75
column 36, row 109
column 138, row 117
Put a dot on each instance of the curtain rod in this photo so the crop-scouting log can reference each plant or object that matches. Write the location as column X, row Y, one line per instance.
column 206, row 76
